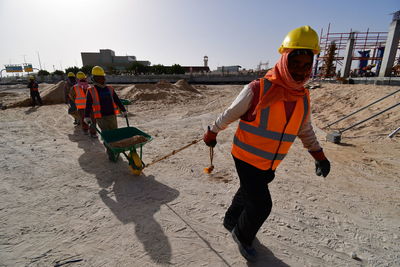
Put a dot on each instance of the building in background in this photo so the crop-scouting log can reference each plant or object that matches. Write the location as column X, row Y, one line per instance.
column 229, row 69
column 108, row 60
column 198, row 69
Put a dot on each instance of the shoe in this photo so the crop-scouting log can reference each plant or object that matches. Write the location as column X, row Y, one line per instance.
column 85, row 132
column 228, row 225
column 248, row 252
column 93, row 135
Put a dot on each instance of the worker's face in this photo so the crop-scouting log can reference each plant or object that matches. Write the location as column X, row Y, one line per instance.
column 300, row 67
column 99, row 79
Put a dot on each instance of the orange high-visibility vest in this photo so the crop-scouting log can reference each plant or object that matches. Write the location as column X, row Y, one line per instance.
column 265, row 141
column 35, row 87
column 96, row 101
column 80, row 97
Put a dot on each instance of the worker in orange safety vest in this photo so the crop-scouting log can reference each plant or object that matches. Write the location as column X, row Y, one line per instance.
column 68, row 86
column 78, row 96
column 103, row 102
column 34, row 91
column 273, row 111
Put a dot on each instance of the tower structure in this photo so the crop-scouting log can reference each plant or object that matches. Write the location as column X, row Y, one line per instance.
column 205, row 61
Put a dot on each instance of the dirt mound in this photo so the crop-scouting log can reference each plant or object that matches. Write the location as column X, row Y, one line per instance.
column 50, row 93
column 161, row 91
column 54, row 94
column 184, row 85
column 333, row 101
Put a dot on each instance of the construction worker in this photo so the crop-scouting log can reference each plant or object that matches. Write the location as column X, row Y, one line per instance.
column 34, row 91
column 68, row 86
column 103, row 102
column 273, row 111
column 78, row 96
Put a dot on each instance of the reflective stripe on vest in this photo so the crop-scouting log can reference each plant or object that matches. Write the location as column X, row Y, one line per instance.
column 80, row 97
column 35, row 87
column 265, row 141
column 96, row 101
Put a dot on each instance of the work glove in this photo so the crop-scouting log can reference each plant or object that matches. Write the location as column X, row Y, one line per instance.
column 88, row 120
column 124, row 114
column 322, row 167
column 322, row 164
column 210, row 138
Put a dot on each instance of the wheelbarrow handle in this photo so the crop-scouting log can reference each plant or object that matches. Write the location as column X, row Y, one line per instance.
column 94, row 125
column 127, row 122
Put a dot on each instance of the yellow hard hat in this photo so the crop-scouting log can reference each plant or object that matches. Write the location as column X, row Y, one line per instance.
column 301, row 38
column 98, row 71
column 31, row 77
column 80, row 75
column 71, row 74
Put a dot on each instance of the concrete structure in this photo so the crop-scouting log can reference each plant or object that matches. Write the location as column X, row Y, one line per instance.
column 391, row 47
column 228, row 69
column 348, row 56
column 196, row 69
column 205, row 61
column 108, row 60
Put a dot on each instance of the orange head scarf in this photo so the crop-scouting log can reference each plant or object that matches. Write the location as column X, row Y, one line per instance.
column 284, row 87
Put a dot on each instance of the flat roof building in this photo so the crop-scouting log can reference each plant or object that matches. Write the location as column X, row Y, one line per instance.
column 108, row 60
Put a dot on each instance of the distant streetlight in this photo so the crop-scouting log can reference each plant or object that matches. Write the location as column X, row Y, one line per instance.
column 40, row 64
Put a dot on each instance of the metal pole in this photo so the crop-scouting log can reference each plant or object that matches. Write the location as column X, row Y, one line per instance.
column 40, row 64
column 394, row 132
column 373, row 116
column 361, row 109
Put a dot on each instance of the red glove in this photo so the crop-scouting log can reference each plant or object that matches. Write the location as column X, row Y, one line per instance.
column 210, row 138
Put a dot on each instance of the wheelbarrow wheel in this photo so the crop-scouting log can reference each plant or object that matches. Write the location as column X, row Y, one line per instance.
column 135, row 163
column 112, row 156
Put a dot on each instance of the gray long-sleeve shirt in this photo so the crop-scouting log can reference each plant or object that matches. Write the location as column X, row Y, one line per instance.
column 242, row 104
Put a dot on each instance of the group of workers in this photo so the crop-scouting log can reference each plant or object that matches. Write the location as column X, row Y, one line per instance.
column 91, row 105
column 272, row 110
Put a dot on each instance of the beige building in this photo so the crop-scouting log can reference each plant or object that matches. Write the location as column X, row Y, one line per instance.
column 107, row 59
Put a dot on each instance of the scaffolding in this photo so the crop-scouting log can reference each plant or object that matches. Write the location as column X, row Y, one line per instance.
column 363, row 41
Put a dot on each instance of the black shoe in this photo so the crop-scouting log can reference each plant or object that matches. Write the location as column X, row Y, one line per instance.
column 228, row 225
column 248, row 252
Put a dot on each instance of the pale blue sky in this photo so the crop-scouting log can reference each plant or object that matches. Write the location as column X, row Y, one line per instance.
column 229, row 32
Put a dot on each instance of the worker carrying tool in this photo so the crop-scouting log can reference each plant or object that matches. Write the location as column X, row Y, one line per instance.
column 273, row 111
column 78, row 96
column 103, row 102
column 68, row 86
column 34, row 91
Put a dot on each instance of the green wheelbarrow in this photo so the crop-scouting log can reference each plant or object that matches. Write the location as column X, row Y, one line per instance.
column 130, row 151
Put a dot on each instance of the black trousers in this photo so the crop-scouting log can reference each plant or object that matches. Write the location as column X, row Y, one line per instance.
column 252, row 203
column 36, row 96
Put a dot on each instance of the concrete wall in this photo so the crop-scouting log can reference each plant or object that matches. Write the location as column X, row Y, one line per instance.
column 203, row 79
column 394, row 81
column 195, row 79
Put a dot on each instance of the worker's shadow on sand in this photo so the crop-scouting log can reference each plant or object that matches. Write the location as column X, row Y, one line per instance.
column 132, row 199
column 31, row 110
column 265, row 257
column 137, row 200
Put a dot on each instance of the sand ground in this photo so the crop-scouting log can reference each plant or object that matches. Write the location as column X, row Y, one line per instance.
column 61, row 199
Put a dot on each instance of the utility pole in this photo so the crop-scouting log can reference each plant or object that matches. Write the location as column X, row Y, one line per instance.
column 40, row 64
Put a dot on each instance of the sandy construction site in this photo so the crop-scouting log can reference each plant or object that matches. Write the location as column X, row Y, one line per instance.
column 64, row 203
